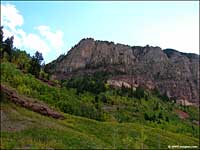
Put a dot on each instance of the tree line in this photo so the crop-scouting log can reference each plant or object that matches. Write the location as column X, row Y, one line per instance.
column 25, row 62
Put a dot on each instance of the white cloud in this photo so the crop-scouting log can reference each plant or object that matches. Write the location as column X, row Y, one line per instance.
column 54, row 38
column 11, row 16
column 46, row 41
column 33, row 41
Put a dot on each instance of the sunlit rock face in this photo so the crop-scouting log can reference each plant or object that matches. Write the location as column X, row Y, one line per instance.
column 173, row 73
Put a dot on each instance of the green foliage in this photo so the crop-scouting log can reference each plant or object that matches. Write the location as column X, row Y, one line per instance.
column 35, row 64
column 23, row 89
column 1, row 35
column 103, row 98
column 148, row 114
column 44, row 75
column 164, row 97
column 94, row 84
column 66, row 100
column 6, row 46
column 5, row 57
column 193, row 112
column 139, row 93
column 21, row 59
column 108, row 105
column 40, row 132
column 18, row 57
column 3, row 97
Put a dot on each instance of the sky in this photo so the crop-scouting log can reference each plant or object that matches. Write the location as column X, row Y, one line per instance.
column 54, row 27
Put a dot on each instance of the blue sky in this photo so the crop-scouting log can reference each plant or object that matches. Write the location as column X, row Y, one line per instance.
column 54, row 27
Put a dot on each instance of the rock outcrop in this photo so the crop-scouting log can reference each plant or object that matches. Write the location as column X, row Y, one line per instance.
column 173, row 73
column 30, row 104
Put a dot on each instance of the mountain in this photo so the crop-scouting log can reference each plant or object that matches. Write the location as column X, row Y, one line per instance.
column 173, row 73
column 37, row 115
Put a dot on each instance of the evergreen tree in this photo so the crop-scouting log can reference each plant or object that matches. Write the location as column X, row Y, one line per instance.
column 36, row 64
column 9, row 45
column 1, row 35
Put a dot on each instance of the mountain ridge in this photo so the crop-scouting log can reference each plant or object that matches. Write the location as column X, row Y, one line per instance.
column 173, row 73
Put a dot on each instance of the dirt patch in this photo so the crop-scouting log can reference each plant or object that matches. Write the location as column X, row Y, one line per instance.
column 182, row 114
column 31, row 105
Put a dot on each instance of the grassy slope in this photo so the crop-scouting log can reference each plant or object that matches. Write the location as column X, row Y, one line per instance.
column 32, row 130
column 29, row 129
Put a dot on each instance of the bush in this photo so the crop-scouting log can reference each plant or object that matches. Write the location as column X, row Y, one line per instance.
column 103, row 98
column 23, row 89
column 164, row 97
column 87, row 83
column 66, row 107
column 139, row 93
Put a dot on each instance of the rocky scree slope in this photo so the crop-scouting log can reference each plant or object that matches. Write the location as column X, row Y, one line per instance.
column 173, row 73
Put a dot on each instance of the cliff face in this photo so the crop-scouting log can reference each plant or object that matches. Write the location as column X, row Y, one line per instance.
column 173, row 73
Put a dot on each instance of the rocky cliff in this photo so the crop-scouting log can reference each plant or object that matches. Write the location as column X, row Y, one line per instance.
column 173, row 73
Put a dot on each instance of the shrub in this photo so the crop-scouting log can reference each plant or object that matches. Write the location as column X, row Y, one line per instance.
column 139, row 93
column 87, row 83
column 103, row 98
column 66, row 107
column 23, row 89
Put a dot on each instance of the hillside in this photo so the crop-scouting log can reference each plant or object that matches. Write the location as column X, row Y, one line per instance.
column 173, row 73
column 21, row 128
column 119, row 118
column 135, row 86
